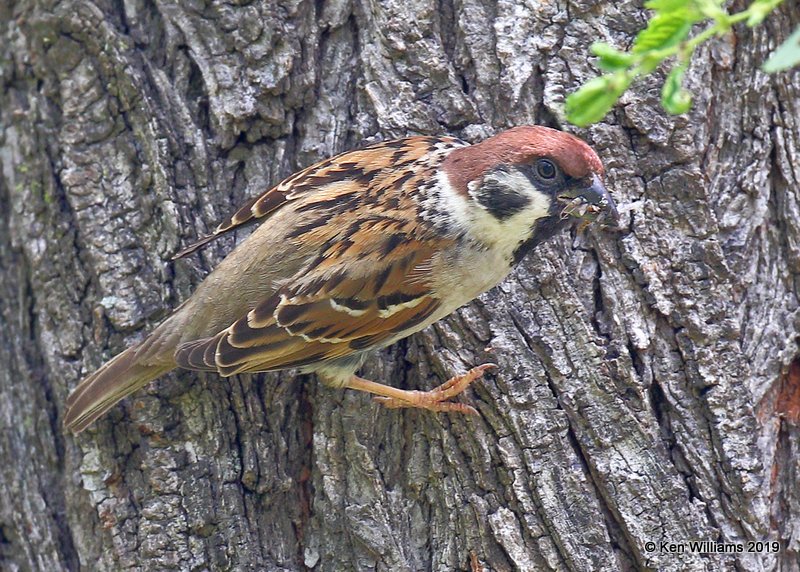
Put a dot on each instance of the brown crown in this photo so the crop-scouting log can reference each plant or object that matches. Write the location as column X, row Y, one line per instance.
column 520, row 145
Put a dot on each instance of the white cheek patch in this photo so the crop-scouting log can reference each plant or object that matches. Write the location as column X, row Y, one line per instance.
column 538, row 202
column 506, row 234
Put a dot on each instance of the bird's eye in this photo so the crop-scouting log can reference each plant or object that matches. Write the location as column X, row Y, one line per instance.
column 545, row 169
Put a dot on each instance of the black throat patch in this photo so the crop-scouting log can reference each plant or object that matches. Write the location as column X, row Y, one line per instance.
column 545, row 228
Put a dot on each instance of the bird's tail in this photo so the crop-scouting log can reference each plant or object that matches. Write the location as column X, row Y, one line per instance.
column 115, row 380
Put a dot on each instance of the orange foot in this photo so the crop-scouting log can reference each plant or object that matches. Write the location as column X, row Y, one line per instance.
column 434, row 400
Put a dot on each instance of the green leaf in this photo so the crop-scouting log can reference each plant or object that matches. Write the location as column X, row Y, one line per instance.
column 674, row 97
column 663, row 31
column 669, row 5
column 592, row 101
column 688, row 10
column 713, row 9
column 611, row 59
column 650, row 61
column 759, row 10
column 786, row 56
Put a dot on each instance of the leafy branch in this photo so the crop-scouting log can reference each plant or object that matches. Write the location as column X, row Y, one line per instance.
column 667, row 36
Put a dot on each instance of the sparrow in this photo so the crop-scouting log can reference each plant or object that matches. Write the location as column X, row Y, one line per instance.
column 361, row 250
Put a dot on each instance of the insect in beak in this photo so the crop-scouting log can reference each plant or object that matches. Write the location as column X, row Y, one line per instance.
column 587, row 202
column 578, row 208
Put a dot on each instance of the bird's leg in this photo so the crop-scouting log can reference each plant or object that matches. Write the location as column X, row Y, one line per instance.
column 435, row 399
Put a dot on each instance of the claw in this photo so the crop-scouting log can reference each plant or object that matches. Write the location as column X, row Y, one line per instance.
column 437, row 399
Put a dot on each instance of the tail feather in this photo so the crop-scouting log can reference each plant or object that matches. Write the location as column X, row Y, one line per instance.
column 114, row 381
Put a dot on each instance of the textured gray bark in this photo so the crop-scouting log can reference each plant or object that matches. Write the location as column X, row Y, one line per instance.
column 646, row 390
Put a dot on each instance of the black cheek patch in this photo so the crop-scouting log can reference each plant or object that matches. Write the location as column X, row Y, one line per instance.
column 501, row 201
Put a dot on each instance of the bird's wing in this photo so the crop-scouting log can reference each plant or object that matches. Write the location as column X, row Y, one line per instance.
column 368, row 255
column 366, row 288
column 357, row 168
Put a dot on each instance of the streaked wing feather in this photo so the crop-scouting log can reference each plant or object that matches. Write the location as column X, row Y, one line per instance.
column 310, row 320
column 192, row 356
column 367, row 279
column 359, row 166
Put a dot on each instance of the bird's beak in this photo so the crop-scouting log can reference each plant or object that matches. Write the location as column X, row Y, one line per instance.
column 588, row 202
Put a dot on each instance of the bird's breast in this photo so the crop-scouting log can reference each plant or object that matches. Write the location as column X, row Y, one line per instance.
column 469, row 271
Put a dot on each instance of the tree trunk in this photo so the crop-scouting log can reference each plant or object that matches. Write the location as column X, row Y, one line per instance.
column 649, row 381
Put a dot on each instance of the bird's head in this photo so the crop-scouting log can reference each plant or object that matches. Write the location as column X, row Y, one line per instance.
column 524, row 184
